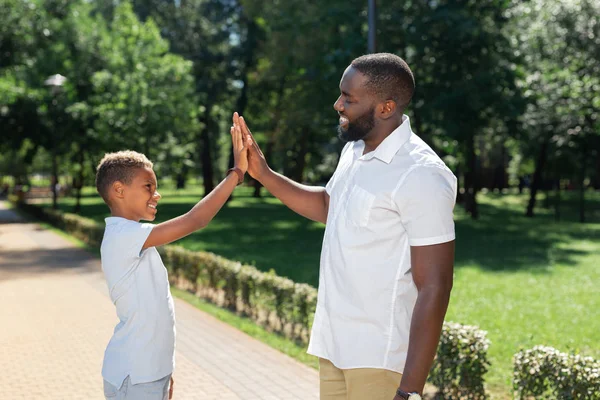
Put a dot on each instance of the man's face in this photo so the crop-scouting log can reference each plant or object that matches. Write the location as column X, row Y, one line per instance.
column 355, row 106
column 141, row 196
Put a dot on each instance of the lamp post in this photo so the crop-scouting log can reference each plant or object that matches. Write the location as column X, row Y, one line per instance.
column 372, row 26
column 55, row 83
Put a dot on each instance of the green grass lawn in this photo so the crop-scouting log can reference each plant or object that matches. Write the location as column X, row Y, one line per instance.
column 525, row 281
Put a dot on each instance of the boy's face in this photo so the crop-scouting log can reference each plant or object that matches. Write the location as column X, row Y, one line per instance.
column 140, row 196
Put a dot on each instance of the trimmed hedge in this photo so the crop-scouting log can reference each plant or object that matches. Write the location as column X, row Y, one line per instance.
column 544, row 372
column 286, row 307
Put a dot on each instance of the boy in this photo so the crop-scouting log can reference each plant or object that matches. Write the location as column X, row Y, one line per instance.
column 139, row 359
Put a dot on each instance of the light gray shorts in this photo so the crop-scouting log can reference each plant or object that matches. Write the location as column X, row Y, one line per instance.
column 157, row 390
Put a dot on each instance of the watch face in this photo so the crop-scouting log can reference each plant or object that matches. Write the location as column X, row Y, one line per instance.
column 414, row 396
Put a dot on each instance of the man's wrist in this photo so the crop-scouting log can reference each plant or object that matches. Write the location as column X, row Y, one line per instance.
column 263, row 174
column 408, row 394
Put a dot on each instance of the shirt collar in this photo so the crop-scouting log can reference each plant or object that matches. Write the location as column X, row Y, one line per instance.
column 114, row 220
column 390, row 145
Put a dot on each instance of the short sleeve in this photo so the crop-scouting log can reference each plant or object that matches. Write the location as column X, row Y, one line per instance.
column 133, row 238
column 425, row 199
column 121, row 250
column 329, row 186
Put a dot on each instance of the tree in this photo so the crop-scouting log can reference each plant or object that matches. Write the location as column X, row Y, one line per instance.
column 465, row 73
column 201, row 31
column 143, row 98
column 561, row 41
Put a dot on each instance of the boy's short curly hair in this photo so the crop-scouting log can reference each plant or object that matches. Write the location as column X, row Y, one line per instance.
column 120, row 166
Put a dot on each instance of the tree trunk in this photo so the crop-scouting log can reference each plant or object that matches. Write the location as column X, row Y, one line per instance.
column 298, row 171
column 79, row 182
column 181, row 177
column 596, row 173
column 557, row 201
column 582, row 183
column 471, row 184
column 242, row 101
column 206, row 153
column 54, row 180
column 500, row 180
column 459, row 195
column 271, row 140
column 540, row 163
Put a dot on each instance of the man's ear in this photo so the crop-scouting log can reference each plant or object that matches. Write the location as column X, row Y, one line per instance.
column 386, row 109
column 117, row 189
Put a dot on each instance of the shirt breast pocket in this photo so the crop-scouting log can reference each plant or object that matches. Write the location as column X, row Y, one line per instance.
column 358, row 207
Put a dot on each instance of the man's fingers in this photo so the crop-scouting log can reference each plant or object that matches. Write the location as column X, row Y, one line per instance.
column 247, row 131
column 242, row 123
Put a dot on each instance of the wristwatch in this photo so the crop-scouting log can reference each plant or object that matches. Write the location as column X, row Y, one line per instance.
column 408, row 396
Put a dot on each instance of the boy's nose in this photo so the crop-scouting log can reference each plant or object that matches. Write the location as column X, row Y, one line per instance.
column 157, row 195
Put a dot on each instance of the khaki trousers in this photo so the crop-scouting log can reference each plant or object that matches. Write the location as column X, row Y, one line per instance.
column 356, row 384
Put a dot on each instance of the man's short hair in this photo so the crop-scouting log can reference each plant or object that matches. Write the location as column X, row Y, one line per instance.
column 120, row 166
column 388, row 77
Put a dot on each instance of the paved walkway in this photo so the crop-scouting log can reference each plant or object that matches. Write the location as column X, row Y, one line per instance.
column 56, row 319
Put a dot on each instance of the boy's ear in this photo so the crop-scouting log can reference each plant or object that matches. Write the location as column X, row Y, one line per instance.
column 117, row 189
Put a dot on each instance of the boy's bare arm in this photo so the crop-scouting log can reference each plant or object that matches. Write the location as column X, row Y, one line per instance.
column 309, row 201
column 206, row 209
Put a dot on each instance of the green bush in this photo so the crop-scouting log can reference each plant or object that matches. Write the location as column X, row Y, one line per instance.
column 544, row 372
column 286, row 307
column 461, row 362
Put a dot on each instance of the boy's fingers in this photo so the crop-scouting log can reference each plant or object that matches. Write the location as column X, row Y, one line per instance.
column 234, row 137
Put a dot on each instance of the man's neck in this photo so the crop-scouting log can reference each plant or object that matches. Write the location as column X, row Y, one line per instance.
column 379, row 133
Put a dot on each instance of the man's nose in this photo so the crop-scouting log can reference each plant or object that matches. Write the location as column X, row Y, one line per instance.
column 337, row 106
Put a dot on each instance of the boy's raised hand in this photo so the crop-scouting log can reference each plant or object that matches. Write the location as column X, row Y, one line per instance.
column 240, row 142
column 257, row 164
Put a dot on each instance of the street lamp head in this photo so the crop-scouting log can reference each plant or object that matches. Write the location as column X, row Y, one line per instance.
column 55, row 80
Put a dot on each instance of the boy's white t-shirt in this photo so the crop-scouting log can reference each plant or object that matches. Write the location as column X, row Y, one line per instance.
column 143, row 343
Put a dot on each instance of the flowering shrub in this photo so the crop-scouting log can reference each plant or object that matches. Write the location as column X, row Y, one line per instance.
column 544, row 372
column 461, row 362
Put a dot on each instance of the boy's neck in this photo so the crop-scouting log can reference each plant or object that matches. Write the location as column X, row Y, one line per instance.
column 116, row 212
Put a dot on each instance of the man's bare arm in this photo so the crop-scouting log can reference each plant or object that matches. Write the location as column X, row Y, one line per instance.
column 309, row 201
column 432, row 269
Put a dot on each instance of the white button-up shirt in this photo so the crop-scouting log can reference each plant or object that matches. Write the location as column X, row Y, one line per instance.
column 381, row 203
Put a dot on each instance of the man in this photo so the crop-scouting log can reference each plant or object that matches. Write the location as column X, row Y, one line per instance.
column 388, row 249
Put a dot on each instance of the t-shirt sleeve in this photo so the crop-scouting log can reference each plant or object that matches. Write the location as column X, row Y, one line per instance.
column 329, row 186
column 132, row 239
column 121, row 251
column 425, row 199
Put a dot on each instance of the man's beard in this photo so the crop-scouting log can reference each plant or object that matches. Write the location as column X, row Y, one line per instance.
column 359, row 128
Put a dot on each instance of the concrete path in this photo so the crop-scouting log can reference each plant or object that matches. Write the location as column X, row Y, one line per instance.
column 56, row 319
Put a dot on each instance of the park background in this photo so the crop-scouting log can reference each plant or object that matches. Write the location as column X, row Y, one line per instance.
column 508, row 94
